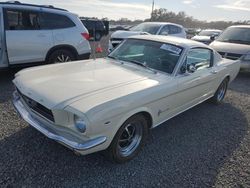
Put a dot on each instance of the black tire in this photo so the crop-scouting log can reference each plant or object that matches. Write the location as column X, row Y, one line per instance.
column 221, row 92
column 61, row 56
column 98, row 36
column 115, row 152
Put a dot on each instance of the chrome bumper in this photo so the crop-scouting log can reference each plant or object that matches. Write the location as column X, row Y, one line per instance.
column 20, row 108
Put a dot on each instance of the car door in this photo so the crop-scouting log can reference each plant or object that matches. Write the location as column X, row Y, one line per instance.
column 195, row 84
column 24, row 39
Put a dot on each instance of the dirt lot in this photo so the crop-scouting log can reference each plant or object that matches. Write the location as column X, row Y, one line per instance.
column 207, row 146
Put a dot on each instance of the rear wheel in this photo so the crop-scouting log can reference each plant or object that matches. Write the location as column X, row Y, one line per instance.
column 221, row 92
column 61, row 56
column 129, row 139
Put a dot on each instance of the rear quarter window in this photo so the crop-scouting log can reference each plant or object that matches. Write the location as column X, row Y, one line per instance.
column 55, row 21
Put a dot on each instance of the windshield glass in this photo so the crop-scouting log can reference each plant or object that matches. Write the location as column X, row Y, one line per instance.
column 155, row 55
column 209, row 33
column 147, row 27
column 236, row 35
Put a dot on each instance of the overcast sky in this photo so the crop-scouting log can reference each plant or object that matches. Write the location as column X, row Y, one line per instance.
column 140, row 9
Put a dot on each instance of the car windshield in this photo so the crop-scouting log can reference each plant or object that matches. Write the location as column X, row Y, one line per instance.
column 150, row 54
column 147, row 27
column 208, row 33
column 237, row 35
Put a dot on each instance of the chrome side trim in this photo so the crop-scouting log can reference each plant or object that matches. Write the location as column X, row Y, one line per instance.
column 49, row 133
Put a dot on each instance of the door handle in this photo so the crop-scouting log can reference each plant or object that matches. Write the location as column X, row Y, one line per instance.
column 214, row 72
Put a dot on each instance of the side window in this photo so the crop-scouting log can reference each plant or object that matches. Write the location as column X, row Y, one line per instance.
column 174, row 29
column 165, row 30
column 201, row 58
column 22, row 20
column 55, row 21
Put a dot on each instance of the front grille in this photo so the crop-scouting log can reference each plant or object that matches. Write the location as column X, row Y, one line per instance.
column 231, row 56
column 37, row 107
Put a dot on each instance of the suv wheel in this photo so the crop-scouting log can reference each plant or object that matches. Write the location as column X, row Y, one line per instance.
column 128, row 140
column 61, row 56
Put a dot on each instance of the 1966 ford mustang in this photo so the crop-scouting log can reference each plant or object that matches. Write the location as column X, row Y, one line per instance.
column 111, row 103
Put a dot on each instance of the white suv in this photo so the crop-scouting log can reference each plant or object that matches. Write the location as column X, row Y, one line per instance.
column 32, row 33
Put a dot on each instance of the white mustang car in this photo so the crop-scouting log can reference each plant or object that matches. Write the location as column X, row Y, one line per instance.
column 111, row 103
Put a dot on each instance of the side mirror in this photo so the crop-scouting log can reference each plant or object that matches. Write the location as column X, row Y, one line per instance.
column 212, row 38
column 191, row 68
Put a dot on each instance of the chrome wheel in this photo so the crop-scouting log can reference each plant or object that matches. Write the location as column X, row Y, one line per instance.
column 222, row 91
column 130, row 139
column 62, row 58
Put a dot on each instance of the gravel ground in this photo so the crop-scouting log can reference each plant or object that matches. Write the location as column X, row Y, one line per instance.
column 207, row 146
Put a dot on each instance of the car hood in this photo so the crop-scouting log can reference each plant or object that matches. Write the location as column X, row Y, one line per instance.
column 126, row 34
column 201, row 38
column 230, row 47
column 56, row 86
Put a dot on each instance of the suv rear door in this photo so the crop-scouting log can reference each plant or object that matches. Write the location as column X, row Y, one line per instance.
column 24, row 39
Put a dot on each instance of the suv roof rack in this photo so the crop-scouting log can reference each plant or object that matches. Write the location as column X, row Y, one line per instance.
column 32, row 5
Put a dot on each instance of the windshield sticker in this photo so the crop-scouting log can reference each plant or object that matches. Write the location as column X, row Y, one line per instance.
column 171, row 48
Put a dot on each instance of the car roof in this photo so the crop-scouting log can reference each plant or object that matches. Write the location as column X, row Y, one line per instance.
column 17, row 4
column 162, row 23
column 241, row 26
column 182, row 42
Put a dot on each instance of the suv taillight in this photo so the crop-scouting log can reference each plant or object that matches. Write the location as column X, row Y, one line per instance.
column 85, row 35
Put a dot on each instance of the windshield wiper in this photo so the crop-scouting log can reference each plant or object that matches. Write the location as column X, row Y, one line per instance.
column 142, row 64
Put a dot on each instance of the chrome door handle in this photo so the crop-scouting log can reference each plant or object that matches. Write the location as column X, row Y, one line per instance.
column 214, row 72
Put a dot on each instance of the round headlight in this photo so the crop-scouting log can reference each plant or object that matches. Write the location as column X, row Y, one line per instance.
column 80, row 124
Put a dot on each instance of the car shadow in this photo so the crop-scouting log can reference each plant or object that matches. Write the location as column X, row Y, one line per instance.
column 240, row 84
column 6, row 85
column 186, row 151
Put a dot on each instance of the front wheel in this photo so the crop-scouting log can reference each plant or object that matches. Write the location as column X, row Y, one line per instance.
column 129, row 139
column 221, row 92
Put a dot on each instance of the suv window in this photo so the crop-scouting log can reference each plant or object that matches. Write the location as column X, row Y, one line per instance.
column 22, row 20
column 200, row 57
column 55, row 21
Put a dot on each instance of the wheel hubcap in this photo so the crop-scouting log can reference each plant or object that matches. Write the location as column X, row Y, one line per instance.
column 62, row 58
column 130, row 139
column 222, row 91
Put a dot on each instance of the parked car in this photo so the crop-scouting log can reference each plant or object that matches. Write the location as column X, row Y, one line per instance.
column 118, row 28
column 207, row 36
column 95, row 27
column 147, row 28
column 32, row 33
column 111, row 103
column 234, row 43
column 191, row 32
